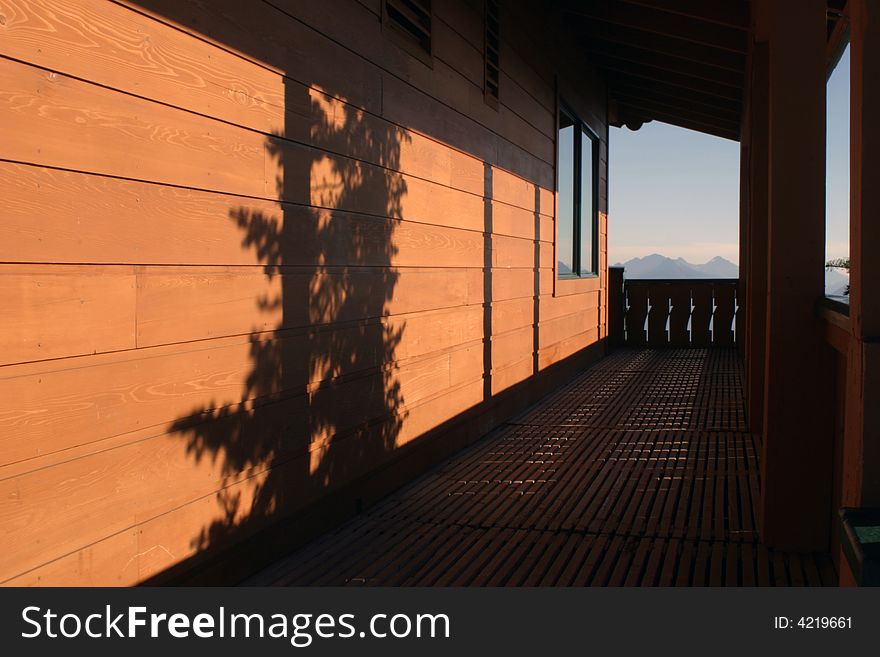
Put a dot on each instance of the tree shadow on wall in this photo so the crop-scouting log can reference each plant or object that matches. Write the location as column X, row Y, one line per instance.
column 321, row 402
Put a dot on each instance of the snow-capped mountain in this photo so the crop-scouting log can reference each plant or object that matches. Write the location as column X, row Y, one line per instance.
column 836, row 282
column 658, row 266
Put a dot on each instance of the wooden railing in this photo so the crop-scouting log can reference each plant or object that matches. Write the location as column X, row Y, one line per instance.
column 676, row 313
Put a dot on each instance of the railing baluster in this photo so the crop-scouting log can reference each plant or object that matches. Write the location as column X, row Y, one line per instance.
column 659, row 316
column 681, row 313
column 636, row 314
column 713, row 338
column 722, row 334
column 668, row 319
column 690, row 316
column 701, row 314
column 735, row 316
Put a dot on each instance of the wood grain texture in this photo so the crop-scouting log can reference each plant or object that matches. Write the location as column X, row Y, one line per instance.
column 141, row 480
column 85, row 401
column 177, row 305
column 293, row 43
column 53, row 312
column 363, row 34
column 61, row 122
column 67, row 217
column 182, row 71
column 132, row 555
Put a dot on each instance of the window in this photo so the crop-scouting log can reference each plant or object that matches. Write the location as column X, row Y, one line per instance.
column 837, row 190
column 491, row 49
column 576, row 192
column 409, row 23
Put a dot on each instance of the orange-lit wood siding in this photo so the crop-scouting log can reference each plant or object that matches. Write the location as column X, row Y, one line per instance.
column 254, row 256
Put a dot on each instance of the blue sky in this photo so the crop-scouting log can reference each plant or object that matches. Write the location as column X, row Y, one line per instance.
column 676, row 192
column 837, row 162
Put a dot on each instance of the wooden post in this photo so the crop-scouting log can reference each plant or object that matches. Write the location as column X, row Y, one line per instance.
column 756, row 261
column 615, row 306
column 798, row 436
column 743, row 243
column 861, row 452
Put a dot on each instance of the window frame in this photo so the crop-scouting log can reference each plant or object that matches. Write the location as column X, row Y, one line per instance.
column 581, row 129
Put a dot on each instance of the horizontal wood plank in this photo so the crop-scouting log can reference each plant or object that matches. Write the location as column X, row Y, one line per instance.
column 170, row 473
column 53, row 312
column 85, row 401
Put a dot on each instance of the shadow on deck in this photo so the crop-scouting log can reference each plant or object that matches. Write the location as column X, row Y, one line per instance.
column 640, row 472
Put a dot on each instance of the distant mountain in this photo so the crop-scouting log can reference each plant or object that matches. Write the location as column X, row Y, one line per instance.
column 719, row 267
column 658, row 266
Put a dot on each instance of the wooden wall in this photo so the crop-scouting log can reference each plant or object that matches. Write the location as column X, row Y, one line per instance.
column 253, row 257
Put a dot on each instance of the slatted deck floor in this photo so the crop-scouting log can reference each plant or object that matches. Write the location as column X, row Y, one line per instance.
column 640, row 472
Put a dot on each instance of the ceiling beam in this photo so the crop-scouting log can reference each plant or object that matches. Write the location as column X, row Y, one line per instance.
column 838, row 38
column 657, row 91
column 707, row 130
column 640, row 113
column 664, row 62
column 730, row 13
column 660, row 22
column 668, row 78
column 726, row 119
column 633, row 38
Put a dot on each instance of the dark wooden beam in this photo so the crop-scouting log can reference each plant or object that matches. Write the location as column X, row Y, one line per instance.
column 668, row 78
column 626, row 36
column 838, row 38
column 657, row 110
column 723, row 130
column 654, row 90
column 731, row 13
column 660, row 22
column 679, row 108
column 663, row 62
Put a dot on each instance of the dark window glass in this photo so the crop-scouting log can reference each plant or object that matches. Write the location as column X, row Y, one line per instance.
column 566, row 196
column 588, row 204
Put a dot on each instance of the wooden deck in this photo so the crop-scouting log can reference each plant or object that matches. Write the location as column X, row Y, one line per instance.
column 638, row 473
